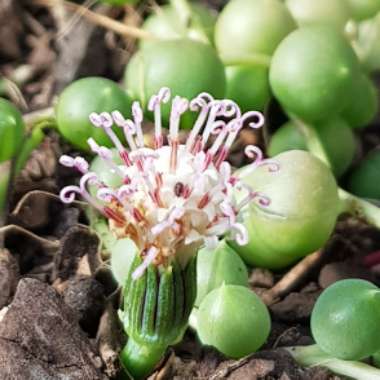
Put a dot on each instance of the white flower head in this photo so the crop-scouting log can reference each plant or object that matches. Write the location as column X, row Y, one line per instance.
column 174, row 197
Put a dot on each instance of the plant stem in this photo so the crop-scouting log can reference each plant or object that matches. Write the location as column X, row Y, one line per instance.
column 314, row 145
column 310, row 356
column 139, row 360
column 35, row 118
column 360, row 208
column 351, row 204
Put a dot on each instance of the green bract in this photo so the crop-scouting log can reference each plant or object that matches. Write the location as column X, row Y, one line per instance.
column 302, row 213
column 79, row 100
column 234, row 320
column 311, row 72
column 340, row 155
column 157, row 306
column 216, row 267
column 247, row 27
column 345, row 319
column 362, row 9
column 363, row 104
column 248, row 86
column 185, row 66
column 365, row 179
column 332, row 12
column 11, row 130
column 166, row 23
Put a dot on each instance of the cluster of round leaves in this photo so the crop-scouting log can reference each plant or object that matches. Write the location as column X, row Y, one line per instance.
column 227, row 314
column 294, row 49
column 345, row 319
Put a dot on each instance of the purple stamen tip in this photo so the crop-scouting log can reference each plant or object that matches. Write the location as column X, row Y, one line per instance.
column 137, row 112
column 258, row 119
column 95, row 119
column 67, row 161
column 107, row 120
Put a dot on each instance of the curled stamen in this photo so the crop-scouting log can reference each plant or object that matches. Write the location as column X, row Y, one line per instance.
column 179, row 106
column 215, row 110
column 201, row 103
column 230, row 109
column 228, row 211
column 240, row 233
column 68, row 194
column 254, row 152
column 138, row 118
column 155, row 101
column 258, row 117
column 78, row 162
column 105, row 121
column 106, row 118
column 96, row 120
column 129, row 128
column 101, row 151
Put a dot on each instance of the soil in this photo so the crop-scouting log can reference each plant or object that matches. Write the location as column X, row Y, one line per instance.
column 58, row 301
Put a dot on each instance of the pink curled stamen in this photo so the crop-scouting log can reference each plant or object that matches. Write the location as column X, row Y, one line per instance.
column 68, row 194
column 128, row 127
column 154, row 105
column 138, row 118
column 78, row 163
column 201, row 103
column 96, row 120
column 258, row 117
column 241, row 233
column 107, row 121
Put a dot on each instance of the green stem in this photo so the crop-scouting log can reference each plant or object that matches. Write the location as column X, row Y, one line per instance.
column 359, row 208
column 351, row 204
column 310, row 356
column 313, row 142
column 43, row 117
column 139, row 360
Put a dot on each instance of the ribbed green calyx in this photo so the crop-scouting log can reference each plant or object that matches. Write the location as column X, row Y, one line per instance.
column 157, row 306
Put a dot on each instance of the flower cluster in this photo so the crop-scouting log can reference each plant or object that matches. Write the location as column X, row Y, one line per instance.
column 174, row 197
